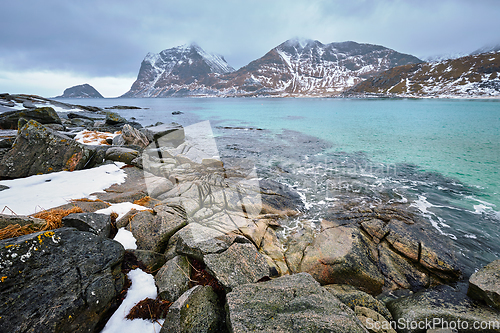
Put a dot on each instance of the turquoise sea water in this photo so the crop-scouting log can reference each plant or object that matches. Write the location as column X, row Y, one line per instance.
column 440, row 156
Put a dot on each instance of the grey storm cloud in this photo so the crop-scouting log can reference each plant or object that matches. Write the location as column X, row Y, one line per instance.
column 111, row 38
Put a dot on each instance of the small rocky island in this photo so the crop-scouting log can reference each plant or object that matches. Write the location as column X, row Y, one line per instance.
column 208, row 231
column 81, row 91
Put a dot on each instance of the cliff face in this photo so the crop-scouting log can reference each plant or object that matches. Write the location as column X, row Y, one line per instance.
column 470, row 76
column 294, row 68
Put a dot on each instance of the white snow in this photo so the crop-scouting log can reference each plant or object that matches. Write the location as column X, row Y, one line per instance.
column 126, row 238
column 31, row 194
column 121, row 209
column 143, row 286
column 93, row 138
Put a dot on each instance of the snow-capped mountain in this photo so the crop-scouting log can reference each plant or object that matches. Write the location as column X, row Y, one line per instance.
column 177, row 71
column 470, row 76
column 310, row 68
column 294, row 68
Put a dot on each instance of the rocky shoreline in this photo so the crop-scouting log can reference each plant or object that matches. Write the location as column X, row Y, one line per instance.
column 208, row 231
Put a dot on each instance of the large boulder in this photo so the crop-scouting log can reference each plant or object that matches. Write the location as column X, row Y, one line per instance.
column 239, row 264
column 197, row 311
column 6, row 220
column 353, row 297
column 99, row 224
column 172, row 279
column 58, row 281
column 342, row 255
column 485, row 284
column 45, row 115
column 371, row 247
column 134, row 137
column 121, row 154
column 291, row 303
column 153, row 230
column 172, row 132
column 442, row 307
column 40, row 150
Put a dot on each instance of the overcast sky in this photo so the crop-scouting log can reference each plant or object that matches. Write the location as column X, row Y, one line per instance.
column 48, row 46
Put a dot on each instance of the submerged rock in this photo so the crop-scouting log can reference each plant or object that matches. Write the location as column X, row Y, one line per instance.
column 58, row 281
column 291, row 303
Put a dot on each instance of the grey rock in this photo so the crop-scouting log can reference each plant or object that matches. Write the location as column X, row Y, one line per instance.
column 172, row 279
column 368, row 317
column 341, row 255
column 45, row 115
column 113, row 118
column 441, row 303
column 153, row 230
column 63, row 280
column 121, row 154
column 6, row 220
column 172, row 132
column 197, row 310
column 132, row 136
column 279, row 196
column 153, row 260
column 99, row 224
column 485, row 284
column 291, row 303
column 197, row 241
column 239, row 264
column 38, row 149
column 118, row 140
column 353, row 297
column 7, row 142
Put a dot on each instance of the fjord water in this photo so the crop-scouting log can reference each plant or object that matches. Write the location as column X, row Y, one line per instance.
column 439, row 156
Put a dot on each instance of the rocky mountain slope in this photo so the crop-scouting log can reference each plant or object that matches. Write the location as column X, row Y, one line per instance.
column 294, row 68
column 475, row 75
column 81, row 91
column 182, row 70
column 310, row 68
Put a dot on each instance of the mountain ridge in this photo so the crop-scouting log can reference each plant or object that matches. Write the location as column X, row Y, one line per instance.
column 293, row 68
column 469, row 76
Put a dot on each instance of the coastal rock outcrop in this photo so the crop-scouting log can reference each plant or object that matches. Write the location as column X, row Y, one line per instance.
column 63, row 280
column 44, row 115
column 442, row 306
column 39, row 149
column 374, row 248
column 291, row 303
column 485, row 284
